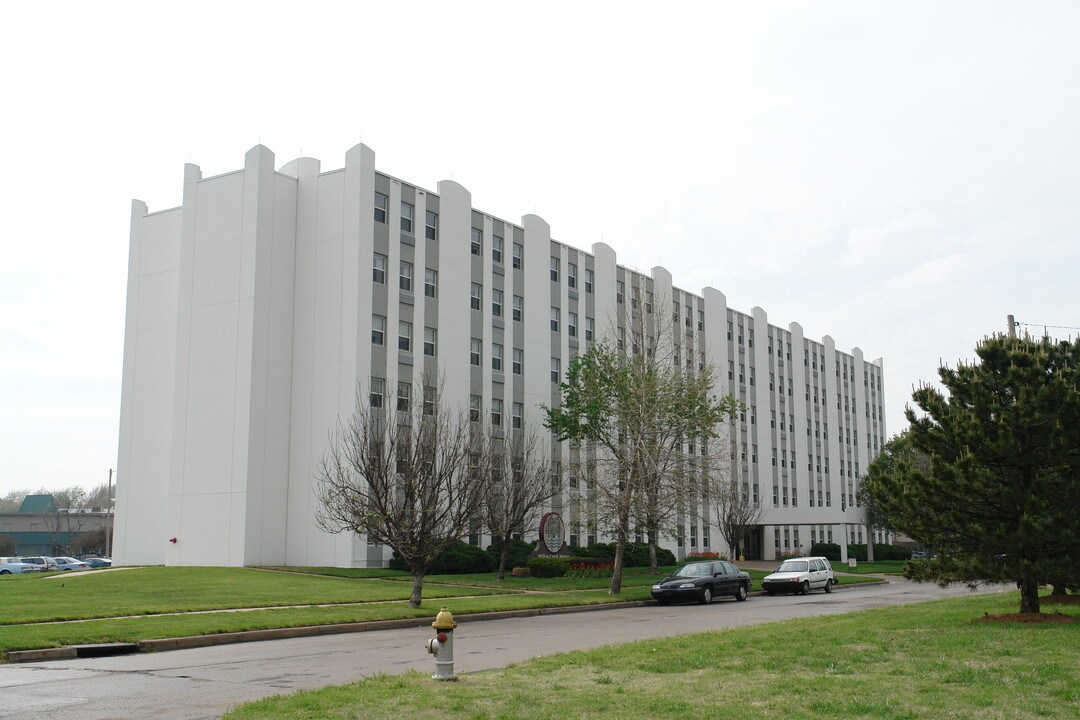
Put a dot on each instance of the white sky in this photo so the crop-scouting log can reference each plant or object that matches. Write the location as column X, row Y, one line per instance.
column 900, row 176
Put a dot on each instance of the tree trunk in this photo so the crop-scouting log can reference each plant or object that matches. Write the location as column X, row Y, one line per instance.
column 504, row 552
column 1029, row 595
column 652, row 552
column 620, row 547
column 1059, row 588
column 417, row 587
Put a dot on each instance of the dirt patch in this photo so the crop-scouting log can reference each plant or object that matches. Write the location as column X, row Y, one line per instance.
column 1028, row 618
column 1060, row 600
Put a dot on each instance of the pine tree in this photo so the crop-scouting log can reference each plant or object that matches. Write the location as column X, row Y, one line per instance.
column 999, row 498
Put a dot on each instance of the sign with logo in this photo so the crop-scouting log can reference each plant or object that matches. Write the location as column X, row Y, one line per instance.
column 551, row 532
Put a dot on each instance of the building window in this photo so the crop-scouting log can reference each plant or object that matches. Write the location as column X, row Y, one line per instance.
column 381, row 203
column 477, row 244
column 477, row 296
column 589, row 280
column 648, row 301
column 406, row 217
column 404, row 341
column 516, row 413
column 378, row 330
column 496, row 357
column 375, row 396
column 571, row 275
column 496, row 412
column 474, row 408
column 429, row 400
column 689, row 315
column 554, row 319
column 556, row 369
column 517, row 259
column 378, row 268
column 431, row 225
column 474, row 351
column 496, row 302
column 430, row 341
column 589, row 329
column 405, row 276
column 700, row 319
column 519, row 308
column 496, row 249
column 554, row 269
column 431, row 281
column 571, row 324
column 404, row 394
column 518, row 360
column 620, row 291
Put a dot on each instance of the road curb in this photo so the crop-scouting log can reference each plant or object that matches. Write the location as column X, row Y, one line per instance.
column 70, row 652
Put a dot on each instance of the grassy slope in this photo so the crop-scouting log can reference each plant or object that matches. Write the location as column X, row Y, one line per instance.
column 932, row 660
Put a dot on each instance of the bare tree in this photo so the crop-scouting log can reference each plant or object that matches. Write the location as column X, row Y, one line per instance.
column 521, row 483
column 736, row 510
column 411, row 478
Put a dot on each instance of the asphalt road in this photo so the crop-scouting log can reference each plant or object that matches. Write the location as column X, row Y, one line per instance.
column 205, row 682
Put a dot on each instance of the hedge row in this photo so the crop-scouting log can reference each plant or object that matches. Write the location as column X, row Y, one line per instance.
column 461, row 558
column 858, row 551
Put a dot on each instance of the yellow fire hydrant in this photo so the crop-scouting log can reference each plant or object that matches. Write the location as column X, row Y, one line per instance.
column 442, row 645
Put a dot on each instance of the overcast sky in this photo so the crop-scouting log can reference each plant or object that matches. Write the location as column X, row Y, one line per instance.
column 900, row 176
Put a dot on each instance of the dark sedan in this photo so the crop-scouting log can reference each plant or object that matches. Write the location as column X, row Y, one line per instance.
column 702, row 581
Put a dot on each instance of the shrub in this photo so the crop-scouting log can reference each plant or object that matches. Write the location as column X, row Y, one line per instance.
column 520, row 572
column 830, row 551
column 694, row 556
column 518, row 555
column 881, row 552
column 458, row 559
column 548, row 567
column 590, row 568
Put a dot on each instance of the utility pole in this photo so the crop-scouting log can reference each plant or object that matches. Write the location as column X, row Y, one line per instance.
column 1012, row 327
column 108, row 518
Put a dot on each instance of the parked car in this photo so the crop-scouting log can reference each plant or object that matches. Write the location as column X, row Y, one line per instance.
column 47, row 564
column 702, row 581
column 97, row 562
column 70, row 563
column 800, row 576
column 15, row 566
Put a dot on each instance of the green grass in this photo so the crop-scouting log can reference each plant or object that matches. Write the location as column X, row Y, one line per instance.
column 142, row 591
column 931, row 660
column 881, row 567
column 348, row 572
column 133, row 629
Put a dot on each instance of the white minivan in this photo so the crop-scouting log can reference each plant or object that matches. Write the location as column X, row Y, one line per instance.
column 800, row 576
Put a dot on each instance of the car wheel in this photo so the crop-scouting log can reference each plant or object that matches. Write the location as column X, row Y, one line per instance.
column 706, row 595
column 805, row 590
column 5, row 572
column 740, row 594
column 770, row 593
column 828, row 585
column 663, row 602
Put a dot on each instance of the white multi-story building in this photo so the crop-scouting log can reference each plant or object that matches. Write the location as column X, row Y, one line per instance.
column 258, row 308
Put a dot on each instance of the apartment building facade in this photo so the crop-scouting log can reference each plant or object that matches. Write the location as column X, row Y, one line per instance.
column 261, row 306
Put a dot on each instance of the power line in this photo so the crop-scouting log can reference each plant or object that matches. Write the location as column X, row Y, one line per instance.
column 1043, row 325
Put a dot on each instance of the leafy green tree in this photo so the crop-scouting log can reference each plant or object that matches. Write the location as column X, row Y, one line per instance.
column 998, row 499
column 637, row 408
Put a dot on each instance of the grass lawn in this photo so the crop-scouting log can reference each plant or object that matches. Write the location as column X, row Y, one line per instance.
column 886, row 567
column 25, row 637
column 141, row 591
column 931, row 660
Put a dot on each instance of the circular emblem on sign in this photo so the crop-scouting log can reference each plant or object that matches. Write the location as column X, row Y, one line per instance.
column 551, row 532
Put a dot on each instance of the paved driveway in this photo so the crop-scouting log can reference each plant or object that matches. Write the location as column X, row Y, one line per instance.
column 205, row 682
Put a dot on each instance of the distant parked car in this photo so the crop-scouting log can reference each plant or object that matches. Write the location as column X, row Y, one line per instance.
column 702, row 581
column 70, row 563
column 15, row 566
column 96, row 562
column 47, row 564
column 800, row 576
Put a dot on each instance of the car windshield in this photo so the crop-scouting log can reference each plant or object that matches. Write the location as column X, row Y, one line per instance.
column 694, row 570
column 792, row 566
